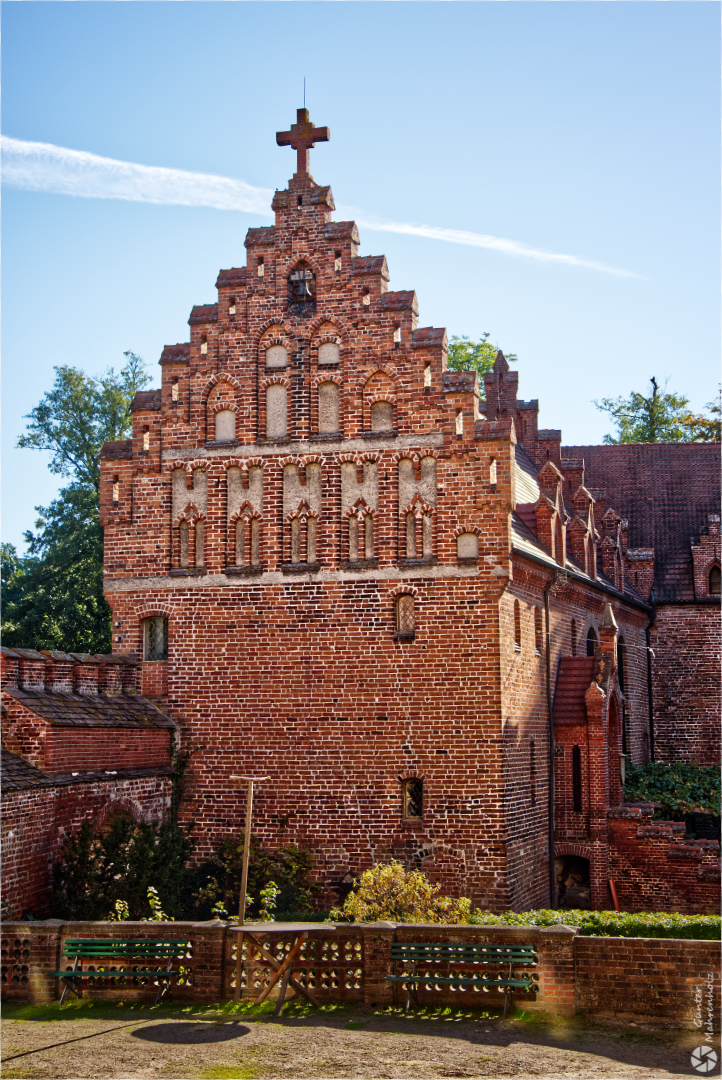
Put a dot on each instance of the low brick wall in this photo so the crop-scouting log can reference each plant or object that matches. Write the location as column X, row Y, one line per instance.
column 656, row 977
column 646, row 976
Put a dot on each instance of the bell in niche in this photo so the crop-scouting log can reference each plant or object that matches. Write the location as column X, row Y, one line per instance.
column 303, row 291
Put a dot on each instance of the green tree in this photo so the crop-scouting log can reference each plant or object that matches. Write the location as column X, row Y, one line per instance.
column 659, row 417
column 478, row 356
column 53, row 596
column 700, row 428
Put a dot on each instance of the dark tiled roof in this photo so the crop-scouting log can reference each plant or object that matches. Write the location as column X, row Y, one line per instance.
column 203, row 313
column 667, row 491
column 91, row 710
column 427, row 337
column 113, row 451
column 19, row 775
column 573, row 681
column 176, row 354
column 370, row 264
column 144, row 400
column 230, row 278
column 341, row 230
column 398, row 301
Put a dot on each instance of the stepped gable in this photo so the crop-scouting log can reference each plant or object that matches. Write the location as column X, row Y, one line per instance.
column 203, row 313
column 235, row 276
column 573, row 681
column 116, row 451
column 177, row 354
column 667, row 491
column 145, row 399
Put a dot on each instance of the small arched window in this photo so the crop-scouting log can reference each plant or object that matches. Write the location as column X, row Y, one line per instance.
column 591, row 641
column 328, row 408
column 155, row 638
column 225, row 426
column 517, row 626
column 405, row 616
column 714, row 581
column 382, row 416
column 412, row 798
column 537, row 631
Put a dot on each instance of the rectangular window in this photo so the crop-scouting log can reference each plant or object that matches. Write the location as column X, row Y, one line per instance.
column 412, row 798
column 155, row 638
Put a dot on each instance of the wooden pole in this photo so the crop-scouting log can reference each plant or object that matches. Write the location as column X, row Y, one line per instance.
column 244, row 875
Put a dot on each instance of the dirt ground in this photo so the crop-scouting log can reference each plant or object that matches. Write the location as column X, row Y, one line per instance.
column 135, row 1041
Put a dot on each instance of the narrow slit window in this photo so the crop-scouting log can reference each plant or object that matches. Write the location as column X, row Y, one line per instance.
column 337, row 261
column 591, row 641
column 412, row 798
column 427, row 376
column 155, row 638
column 260, row 267
column 715, row 581
column 622, row 665
column 116, row 489
column 175, row 391
column 537, row 631
column 517, row 626
column 232, row 305
column 574, row 637
column 492, row 473
column 366, row 298
column 204, row 345
column 576, row 780
column 459, row 424
column 146, row 439
column 397, row 335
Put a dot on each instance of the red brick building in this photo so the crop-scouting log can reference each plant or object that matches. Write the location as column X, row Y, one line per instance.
column 344, row 569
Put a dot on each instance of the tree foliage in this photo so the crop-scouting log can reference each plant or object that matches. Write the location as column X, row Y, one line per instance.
column 658, row 417
column 479, row 356
column 288, row 868
column 53, row 596
column 80, row 413
column 389, row 891
column 681, row 788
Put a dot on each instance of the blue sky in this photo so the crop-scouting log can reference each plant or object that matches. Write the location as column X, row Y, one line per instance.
column 583, row 129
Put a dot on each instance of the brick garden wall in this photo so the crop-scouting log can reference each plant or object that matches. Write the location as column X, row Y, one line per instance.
column 650, row 977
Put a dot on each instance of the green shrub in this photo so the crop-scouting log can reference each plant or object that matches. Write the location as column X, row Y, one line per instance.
column 681, row 788
column 611, row 923
column 390, row 892
column 288, row 868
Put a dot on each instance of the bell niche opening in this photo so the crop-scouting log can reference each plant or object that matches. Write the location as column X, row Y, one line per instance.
column 302, row 290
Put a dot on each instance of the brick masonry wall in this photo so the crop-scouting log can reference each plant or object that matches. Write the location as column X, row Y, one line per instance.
column 686, row 682
column 654, row 977
column 70, row 749
column 655, row 869
column 35, row 821
column 661, row 978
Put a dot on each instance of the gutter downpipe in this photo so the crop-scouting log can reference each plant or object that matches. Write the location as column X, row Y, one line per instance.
column 648, row 628
column 552, row 876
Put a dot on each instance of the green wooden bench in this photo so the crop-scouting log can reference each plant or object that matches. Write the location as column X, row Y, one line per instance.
column 87, row 952
column 421, row 963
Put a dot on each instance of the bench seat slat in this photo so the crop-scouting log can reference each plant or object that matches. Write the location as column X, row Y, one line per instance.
column 108, row 974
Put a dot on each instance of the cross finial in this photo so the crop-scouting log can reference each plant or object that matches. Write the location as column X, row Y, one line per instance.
column 302, row 136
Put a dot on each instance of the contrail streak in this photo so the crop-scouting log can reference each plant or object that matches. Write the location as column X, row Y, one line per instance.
column 35, row 166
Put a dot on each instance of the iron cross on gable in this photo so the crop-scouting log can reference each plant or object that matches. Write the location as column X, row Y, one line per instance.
column 302, row 136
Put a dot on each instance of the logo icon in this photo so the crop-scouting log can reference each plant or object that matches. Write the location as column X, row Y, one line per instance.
column 704, row 1059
